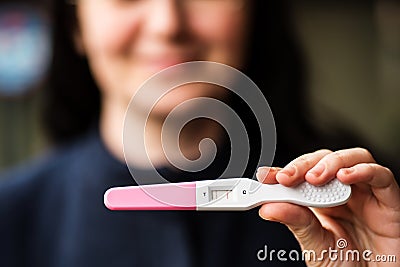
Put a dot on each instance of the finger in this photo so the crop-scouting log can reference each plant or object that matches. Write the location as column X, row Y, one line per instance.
column 328, row 166
column 381, row 180
column 300, row 220
column 267, row 175
column 293, row 173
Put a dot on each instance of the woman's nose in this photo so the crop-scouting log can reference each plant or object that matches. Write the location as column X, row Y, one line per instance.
column 164, row 18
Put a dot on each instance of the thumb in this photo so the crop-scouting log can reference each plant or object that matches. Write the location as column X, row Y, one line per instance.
column 300, row 220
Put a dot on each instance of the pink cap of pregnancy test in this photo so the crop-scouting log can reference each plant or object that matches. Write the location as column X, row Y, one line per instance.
column 152, row 197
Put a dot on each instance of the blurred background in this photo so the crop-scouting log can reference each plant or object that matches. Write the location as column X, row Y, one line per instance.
column 352, row 50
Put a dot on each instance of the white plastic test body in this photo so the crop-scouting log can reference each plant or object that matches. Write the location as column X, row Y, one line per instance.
column 244, row 194
column 223, row 194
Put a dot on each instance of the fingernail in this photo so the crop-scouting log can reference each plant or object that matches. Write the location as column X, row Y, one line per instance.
column 288, row 170
column 317, row 170
column 348, row 170
column 262, row 171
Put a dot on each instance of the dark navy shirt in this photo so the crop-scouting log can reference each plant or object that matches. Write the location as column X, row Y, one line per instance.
column 52, row 214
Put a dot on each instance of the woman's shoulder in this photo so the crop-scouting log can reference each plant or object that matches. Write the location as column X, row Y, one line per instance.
column 35, row 197
column 46, row 170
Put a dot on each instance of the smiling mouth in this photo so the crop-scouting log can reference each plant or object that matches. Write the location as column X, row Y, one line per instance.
column 159, row 63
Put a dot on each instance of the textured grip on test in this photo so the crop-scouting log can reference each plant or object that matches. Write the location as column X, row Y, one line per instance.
column 332, row 194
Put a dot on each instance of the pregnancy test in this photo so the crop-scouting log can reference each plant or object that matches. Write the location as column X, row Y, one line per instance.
column 223, row 194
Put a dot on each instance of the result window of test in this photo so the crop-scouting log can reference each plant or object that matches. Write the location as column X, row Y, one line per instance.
column 218, row 194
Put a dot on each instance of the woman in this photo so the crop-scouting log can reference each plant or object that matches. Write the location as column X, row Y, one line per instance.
column 54, row 212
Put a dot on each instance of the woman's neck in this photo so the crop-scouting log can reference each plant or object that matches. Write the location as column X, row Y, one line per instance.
column 144, row 147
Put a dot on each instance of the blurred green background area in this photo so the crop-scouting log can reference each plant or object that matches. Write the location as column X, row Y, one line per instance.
column 353, row 53
column 352, row 50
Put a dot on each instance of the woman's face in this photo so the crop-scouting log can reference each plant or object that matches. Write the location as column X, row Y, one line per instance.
column 127, row 41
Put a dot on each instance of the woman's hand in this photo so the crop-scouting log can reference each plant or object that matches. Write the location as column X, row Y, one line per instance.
column 369, row 221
